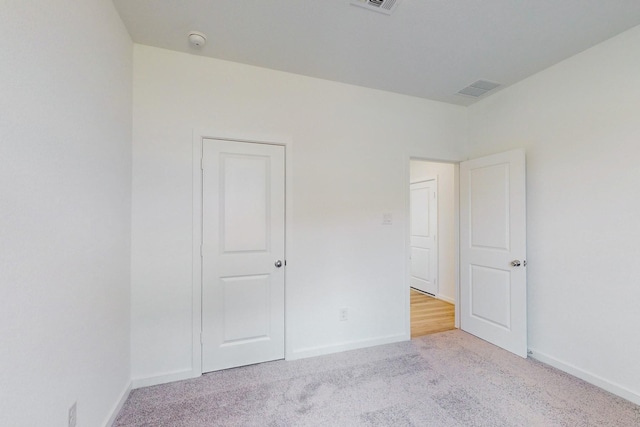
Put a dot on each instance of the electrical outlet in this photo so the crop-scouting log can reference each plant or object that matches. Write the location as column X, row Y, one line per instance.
column 73, row 414
column 343, row 314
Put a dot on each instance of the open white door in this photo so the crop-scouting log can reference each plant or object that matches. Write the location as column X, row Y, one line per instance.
column 493, row 282
column 243, row 219
column 424, row 248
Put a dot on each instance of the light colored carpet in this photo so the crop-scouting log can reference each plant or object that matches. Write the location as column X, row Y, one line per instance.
column 447, row 379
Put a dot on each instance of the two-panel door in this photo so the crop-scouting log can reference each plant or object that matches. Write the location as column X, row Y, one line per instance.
column 423, row 225
column 243, row 236
column 493, row 282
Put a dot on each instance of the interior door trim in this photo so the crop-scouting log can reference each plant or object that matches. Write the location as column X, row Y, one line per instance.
column 196, row 278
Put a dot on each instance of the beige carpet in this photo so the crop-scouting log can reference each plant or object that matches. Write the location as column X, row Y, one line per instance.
column 447, row 379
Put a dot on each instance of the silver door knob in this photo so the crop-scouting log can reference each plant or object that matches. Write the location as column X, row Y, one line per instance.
column 515, row 263
column 278, row 263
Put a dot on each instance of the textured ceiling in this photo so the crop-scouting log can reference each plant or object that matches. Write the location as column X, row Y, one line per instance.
column 427, row 48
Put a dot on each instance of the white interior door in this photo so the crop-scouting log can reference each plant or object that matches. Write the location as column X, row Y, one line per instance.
column 493, row 292
column 424, row 224
column 242, row 245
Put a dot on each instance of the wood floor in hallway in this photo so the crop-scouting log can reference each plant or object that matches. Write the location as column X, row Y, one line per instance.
column 430, row 315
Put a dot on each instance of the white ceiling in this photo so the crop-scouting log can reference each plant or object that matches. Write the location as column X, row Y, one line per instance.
column 427, row 48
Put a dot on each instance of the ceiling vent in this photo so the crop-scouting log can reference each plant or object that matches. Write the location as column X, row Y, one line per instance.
column 479, row 88
column 383, row 6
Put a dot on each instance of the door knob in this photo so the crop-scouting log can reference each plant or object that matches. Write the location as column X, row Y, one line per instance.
column 515, row 263
column 278, row 263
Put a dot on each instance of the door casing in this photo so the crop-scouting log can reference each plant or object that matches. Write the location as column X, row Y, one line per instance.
column 237, row 136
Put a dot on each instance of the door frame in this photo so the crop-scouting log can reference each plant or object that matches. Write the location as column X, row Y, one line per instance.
column 425, row 157
column 433, row 178
column 196, row 278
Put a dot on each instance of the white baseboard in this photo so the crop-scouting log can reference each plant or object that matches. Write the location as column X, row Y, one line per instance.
column 163, row 379
column 337, row 348
column 446, row 299
column 596, row 380
column 118, row 406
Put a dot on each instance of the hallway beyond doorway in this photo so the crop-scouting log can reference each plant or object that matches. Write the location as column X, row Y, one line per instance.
column 430, row 315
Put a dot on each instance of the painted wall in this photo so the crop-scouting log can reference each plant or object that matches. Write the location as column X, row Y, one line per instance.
column 351, row 148
column 579, row 122
column 447, row 221
column 65, row 191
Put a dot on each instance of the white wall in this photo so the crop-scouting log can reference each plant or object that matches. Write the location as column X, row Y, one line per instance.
column 421, row 170
column 580, row 124
column 350, row 165
column 65, row 171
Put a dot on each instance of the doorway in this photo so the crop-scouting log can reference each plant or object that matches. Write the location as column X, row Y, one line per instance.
column 433, row 246
column 490, row 292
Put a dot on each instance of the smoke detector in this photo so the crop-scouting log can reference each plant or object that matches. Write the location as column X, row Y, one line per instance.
column 383, row 6
column 197, row 39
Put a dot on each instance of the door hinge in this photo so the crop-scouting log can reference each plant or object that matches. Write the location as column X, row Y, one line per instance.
column 200, row 250
column 201, row 163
